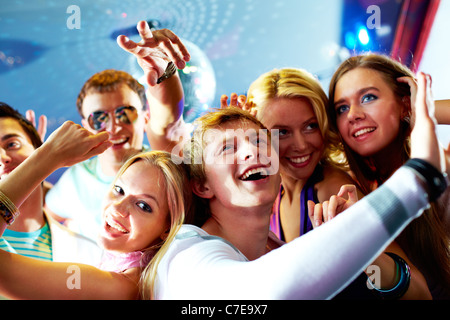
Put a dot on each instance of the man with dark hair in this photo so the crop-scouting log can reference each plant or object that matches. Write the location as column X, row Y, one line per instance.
column 34, row 233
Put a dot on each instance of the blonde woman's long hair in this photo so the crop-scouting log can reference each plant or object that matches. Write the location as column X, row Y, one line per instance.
column 179, row 197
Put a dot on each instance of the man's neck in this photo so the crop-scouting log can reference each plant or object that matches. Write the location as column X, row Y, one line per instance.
column 247, row 229
column 111, row 165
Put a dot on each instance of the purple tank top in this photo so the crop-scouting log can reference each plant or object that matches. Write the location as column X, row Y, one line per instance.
column 306, row 194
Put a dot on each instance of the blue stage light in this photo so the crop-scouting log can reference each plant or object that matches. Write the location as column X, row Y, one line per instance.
column 350, row 40
column 363, row 36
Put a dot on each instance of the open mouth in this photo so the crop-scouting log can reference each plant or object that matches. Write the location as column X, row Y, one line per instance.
column 255, row 174
column 118, row 141
column 115, row 227
column 363, row 131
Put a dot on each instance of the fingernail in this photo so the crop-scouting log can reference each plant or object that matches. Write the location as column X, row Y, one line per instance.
column 181, row 64
column 317, row 222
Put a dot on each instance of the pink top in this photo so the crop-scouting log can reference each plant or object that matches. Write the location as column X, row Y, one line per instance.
column 118, row 262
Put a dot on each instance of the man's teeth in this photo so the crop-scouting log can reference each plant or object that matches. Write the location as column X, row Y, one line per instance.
column 363, row 131
column 118, row 141
column 261, row 171
column 300, row 160
column 114, row 225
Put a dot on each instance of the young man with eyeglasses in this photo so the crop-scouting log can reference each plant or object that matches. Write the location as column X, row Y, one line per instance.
column 115, row 102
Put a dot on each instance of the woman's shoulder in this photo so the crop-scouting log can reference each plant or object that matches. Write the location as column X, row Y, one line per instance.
column 333, row 179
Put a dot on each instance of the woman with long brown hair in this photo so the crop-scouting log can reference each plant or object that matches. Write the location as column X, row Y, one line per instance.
column 369, row 107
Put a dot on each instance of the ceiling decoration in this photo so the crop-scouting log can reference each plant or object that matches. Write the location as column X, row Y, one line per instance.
column 46, row 54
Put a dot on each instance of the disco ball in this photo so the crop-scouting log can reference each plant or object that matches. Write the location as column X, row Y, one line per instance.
column 198, row 80
column 199, row 83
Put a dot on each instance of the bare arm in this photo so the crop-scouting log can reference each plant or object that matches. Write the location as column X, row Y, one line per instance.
column 166, row 126
column 442, row 111
column 156, row 49
column 418, row 287
column 26, row 278
column 68, row 145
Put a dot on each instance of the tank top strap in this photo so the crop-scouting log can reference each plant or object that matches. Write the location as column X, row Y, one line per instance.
column 308, row 193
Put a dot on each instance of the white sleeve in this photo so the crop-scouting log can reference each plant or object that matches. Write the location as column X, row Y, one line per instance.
column 315, row 266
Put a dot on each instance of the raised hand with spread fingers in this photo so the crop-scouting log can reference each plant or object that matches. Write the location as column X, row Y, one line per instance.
column 159, row 54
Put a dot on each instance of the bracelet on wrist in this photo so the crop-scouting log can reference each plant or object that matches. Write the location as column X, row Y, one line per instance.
column 8, row 210
column 436, row 182
column 403, row 279
column 170, row 71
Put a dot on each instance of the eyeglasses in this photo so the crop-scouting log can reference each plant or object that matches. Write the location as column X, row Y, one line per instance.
column 125, row 114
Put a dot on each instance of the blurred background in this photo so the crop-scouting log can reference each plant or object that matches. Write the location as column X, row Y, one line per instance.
column 49, row 48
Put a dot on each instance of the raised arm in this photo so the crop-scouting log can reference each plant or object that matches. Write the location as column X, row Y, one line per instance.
column 443, row 111
column 154, row 53
column 442, row 107
column 317, row 265
column 68, row 145
column 26, row 278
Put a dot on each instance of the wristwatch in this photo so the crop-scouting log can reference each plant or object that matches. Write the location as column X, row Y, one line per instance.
column 435, row 180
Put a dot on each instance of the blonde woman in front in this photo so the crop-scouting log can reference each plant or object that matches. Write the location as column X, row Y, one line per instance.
column 142, row 213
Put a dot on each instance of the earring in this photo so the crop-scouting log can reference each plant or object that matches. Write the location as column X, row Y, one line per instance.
column 407, row 119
